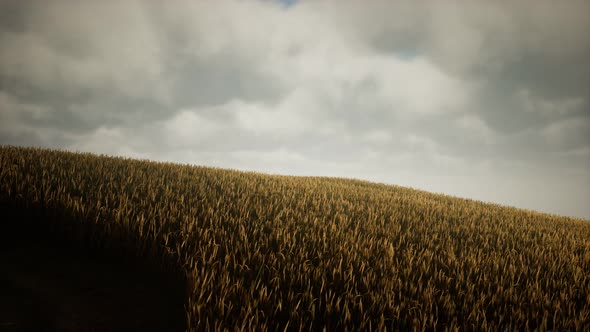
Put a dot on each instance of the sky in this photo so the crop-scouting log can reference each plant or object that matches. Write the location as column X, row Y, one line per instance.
column 477, row 99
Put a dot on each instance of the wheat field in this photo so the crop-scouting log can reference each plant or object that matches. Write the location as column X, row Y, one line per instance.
column 281, row 253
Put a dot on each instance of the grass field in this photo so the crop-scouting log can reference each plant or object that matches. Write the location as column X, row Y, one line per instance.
column 265, row 252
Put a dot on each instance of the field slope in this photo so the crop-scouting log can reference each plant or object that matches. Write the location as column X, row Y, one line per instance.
column 261, row 252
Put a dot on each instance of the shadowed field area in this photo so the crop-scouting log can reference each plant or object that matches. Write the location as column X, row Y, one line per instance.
column 49, row 287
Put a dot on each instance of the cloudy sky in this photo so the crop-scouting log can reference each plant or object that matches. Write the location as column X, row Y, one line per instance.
column 486, row 100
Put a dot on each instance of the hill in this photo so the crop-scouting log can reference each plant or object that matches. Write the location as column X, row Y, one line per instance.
column 268, row 252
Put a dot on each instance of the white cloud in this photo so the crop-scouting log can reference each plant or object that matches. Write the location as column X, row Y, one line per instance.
column 290, row 117
column 377, row 137
column 188, row 127
column 419, row 86
column 422, row 143
column 102, row 140
column 476, row 127
column 71, row 45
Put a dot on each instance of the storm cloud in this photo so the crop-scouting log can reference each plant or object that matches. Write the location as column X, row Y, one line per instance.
column 485, row 100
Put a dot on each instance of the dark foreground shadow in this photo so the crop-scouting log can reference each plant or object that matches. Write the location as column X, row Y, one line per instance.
column 44, row 287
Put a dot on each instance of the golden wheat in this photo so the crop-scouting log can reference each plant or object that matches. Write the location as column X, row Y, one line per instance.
column 264, row 252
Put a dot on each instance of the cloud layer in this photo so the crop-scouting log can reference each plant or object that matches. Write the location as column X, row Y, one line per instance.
column 478, row 99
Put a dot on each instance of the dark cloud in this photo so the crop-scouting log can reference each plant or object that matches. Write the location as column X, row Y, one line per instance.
column 216, row 80
column 13, row 16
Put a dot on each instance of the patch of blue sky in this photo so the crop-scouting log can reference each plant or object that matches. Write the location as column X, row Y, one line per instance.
column 287, row 3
